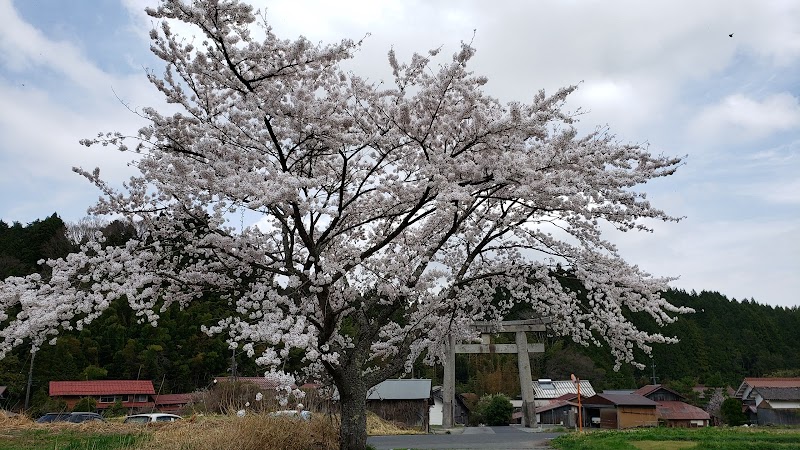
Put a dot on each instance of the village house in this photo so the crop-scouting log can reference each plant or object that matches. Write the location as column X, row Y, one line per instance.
column 619, row 411
column 546, row 390
column 771, row 401
column 671, row 409
column 460, row 410
column 562, row 411
column 171, row 403
column 133, row 394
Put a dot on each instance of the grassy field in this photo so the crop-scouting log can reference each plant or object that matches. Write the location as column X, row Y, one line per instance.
column 683, row 438
column 253, row 432
column 22, row 434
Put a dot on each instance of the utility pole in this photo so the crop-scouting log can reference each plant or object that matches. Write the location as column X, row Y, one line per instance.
column 653, row 364
column 233, row 364
column 30, row 382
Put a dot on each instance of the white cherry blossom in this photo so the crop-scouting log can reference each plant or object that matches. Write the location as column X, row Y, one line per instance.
column 391, row 215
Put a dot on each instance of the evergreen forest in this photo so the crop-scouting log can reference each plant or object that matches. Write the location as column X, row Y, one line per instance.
column 724, row 341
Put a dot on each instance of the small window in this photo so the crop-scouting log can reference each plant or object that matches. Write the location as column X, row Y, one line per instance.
column 140, row 398
column 107, row 398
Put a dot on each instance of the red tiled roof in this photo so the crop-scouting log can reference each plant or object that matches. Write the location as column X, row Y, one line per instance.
column 670, row 410
column 101, row 387
column 172, row 399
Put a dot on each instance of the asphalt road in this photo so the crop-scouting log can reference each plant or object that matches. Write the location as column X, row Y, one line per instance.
column 488, row 438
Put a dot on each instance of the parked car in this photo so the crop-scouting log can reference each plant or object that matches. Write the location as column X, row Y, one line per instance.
column 53, row 417
column 74, row 417
column 151, row 418
column 79, row 417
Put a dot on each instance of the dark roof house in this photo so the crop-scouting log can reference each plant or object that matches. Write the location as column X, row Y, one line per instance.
column 771, row 401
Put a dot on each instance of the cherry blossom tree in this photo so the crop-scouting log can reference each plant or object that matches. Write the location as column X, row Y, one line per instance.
column 389, row 216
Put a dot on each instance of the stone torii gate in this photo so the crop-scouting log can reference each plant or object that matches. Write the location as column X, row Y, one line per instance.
column 522, row 348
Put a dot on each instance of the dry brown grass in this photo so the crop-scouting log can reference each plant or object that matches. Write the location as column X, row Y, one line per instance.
column 220, row 432
column 379, row 427
column 252, row 432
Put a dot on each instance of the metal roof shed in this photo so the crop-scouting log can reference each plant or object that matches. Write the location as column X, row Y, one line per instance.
column 401, row 389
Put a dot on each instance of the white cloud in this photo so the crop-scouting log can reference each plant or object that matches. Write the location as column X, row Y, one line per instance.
column 780, row 191
column 24, row 48
column 742, row 259
column 738, row 116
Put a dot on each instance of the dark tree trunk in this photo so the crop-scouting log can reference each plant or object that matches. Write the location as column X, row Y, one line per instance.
column 353, row 403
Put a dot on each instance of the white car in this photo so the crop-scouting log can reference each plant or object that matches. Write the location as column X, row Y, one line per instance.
column 151, row 418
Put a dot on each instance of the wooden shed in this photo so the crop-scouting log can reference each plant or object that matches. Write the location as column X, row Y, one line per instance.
column 405, row 401
column 620, row 411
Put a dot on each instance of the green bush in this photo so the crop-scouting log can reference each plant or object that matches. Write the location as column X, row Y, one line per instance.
column 85, row 404
column 494, row 410
column 731, row 411
column 115, row 410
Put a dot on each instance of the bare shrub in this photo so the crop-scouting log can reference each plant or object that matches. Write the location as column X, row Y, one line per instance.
column 229, row 397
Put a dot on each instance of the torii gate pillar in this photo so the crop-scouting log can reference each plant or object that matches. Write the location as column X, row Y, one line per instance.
column 522, row 348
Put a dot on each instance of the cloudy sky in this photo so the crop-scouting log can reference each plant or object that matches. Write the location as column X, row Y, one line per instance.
column 665, row 73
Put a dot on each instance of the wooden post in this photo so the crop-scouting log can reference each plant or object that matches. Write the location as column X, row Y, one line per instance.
column 449, row 383
column 525, row 381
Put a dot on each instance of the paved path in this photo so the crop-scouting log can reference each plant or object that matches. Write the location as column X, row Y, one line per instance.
column 487, row 438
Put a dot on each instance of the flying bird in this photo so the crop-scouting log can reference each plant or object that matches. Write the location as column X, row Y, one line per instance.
column 730, row 35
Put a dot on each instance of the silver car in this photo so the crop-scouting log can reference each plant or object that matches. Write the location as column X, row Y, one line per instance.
column 151, row 418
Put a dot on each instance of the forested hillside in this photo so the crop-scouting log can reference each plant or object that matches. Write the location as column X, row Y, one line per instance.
column 724, row 341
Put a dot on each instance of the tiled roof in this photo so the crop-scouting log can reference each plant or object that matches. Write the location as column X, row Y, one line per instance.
column 552, row 389
column 554, row 405
column 779, row 393
column 680, row 411
column 773, row 382
column 766, row 382
column 619, row 399
column 101, row 387
column 406, row 389
column 172, row 399
column 651, row 388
